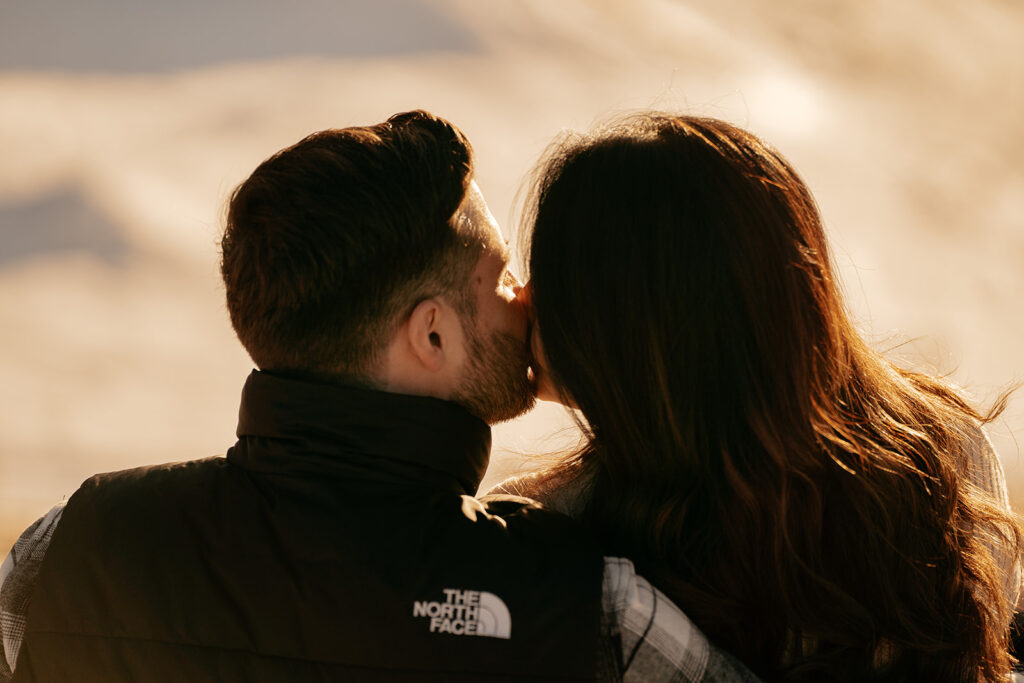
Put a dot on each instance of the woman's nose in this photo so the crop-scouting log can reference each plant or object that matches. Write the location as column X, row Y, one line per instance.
column 524, row 295
column 517, row 284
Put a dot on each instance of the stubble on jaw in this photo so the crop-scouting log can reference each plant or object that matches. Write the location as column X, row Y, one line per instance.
column 497, row 386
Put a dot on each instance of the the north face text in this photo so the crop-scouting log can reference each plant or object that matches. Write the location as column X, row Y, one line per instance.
column 466, row 613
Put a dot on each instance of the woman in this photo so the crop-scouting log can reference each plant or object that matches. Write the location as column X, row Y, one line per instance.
column 818, row 511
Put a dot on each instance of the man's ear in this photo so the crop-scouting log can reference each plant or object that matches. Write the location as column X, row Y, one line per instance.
column 427, row 354
column 428, row 334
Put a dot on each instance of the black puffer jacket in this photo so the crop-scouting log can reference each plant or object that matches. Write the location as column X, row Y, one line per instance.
column 336, row 541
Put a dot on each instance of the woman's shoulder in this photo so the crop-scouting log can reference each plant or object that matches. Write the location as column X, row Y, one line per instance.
column 562, row 488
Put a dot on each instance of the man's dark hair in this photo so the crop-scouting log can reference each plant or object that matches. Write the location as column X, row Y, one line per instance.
column 331, row 242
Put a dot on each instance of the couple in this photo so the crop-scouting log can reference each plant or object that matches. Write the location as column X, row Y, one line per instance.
column 803, row 509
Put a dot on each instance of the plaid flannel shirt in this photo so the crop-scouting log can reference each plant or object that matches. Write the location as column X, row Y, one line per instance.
column 645, row 637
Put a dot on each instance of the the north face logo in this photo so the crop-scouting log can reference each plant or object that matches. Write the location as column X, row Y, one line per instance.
column 466, row 613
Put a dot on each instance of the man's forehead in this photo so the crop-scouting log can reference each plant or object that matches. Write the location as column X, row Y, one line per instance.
column 474, row 217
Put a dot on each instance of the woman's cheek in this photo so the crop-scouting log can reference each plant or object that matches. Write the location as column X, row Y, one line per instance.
column 545, row 388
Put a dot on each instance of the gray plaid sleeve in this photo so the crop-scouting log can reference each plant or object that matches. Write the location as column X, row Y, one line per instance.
column 658, row 642
column 18, row 576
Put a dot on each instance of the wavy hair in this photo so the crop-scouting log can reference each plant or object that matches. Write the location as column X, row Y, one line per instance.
column 804, row 500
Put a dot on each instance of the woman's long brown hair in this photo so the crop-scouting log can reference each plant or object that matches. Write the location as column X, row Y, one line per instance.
column 801, row 498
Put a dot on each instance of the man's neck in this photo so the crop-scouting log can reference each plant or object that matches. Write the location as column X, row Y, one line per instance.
column 355, row 381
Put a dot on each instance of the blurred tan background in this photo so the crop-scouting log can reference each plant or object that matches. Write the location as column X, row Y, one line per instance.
column 124, row 126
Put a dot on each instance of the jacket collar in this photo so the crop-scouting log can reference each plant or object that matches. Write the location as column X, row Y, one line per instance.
column 301, row 427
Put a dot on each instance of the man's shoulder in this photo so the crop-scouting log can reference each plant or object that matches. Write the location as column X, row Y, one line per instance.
column 144, row 482
column 145, row 502
column 174, row 468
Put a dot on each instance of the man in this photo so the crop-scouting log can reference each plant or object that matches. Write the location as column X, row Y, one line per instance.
column 338, row 538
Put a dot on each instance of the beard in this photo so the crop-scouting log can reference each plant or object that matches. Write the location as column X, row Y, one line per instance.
column 497, row 384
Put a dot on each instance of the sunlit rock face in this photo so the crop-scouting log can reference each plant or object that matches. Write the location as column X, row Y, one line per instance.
column 124, row 128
